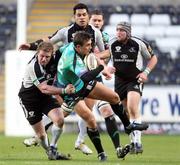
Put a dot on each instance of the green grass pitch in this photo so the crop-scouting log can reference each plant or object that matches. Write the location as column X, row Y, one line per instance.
column 158, row 150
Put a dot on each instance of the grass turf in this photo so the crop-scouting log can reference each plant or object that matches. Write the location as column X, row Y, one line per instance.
column 158, row 150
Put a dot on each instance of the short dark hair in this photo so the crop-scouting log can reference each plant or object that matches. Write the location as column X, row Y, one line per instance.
column 81, row 37
column 80, row 6
column 96, row 12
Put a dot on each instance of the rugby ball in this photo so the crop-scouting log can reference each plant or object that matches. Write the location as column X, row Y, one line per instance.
column 91, row 61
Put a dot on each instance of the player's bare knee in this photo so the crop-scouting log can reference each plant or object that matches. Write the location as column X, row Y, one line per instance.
column 85, row 116
column 115, row 99
column 106, row 111
column 60, row 123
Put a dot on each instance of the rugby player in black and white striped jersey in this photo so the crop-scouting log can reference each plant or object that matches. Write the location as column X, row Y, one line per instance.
column 36, row 98
column 128, row 54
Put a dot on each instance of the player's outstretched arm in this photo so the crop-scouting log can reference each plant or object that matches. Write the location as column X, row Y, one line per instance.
column 24, row 46
column 32, row 45
column 52, row 90
column 103, row 55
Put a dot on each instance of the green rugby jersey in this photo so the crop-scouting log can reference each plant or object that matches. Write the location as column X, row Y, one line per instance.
column 70, row 68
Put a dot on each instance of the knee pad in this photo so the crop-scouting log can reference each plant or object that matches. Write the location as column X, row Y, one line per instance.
column 105, row 109
column 101, row 104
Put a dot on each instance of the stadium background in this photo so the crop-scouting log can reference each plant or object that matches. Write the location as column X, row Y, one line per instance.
column 156, row 21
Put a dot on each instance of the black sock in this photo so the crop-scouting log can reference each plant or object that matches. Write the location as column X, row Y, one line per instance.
column 112, row 130
column 95, row 138
column 120, row 112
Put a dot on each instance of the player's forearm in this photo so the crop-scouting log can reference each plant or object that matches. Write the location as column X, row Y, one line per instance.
column 104, row 54
column 51, row 90
column 152, row 63
column 34, row 45
column 91, row 75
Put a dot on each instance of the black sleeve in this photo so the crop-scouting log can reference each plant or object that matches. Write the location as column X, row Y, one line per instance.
column 58, row 55
column 34, row 45
column 91, row 75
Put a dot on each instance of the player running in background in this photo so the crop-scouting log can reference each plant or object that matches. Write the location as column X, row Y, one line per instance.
column 97, row 20
column 128, row 54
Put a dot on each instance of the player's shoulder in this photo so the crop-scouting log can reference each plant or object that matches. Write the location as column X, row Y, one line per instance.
column 113, row 40
column 145, row 46
column 68, row 50
column 92, row 27
column 64, row 29
column 140, row 41
column 33, row 64
column 96, row 30
column 33, row 61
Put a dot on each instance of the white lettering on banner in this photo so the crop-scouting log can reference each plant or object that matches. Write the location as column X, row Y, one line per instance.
column 159, row 103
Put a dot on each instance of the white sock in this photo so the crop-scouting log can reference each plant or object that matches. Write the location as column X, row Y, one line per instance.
column 46, row 120
column 132, row 137
column 82, row 131
column 137, row 134
column 56, row 132
column 132, row 134
column 45, row 142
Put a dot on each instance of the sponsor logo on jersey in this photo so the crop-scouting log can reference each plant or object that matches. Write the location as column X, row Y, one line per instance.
column 124, row 56
column 118, row 49
column 123, row 60
column 132, row 50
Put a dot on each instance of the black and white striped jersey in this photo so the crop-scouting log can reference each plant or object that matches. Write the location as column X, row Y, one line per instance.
column 36, row 74
column 66, row 34
column 128, row 58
